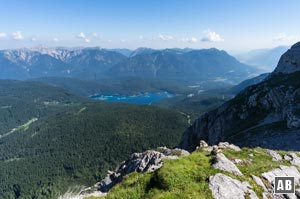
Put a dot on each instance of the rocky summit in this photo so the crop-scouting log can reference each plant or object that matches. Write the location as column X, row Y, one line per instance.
column 147, row 161
column 222, row 171
column 289, row 61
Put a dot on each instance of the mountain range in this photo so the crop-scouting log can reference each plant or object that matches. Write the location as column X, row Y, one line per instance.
column 192, row 65
column 86, row 63
column 96, row 63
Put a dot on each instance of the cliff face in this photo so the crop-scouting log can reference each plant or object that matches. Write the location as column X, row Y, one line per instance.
column 264, row 115
column 289, row 61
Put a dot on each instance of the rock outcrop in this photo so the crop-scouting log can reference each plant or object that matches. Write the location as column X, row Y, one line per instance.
column 225, row 179
column 275, row 155
column 282, row 171
column 289, row 61
column 266, row 114
column 259, row 182
column 225, row 187
column 269, row 178
column 147, row 161
column 222, row 163
column 295, row 160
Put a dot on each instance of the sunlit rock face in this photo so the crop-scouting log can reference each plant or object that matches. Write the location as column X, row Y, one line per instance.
column 289, row 61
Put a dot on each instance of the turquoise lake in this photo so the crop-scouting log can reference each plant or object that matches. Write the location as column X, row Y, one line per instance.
column 146, row 98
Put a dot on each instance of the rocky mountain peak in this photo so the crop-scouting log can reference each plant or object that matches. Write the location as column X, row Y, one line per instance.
column 289, row 61
column 296, row 45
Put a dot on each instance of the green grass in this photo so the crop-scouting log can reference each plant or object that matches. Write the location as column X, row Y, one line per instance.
column 187, row 177
column 182, row 178
column 260, row 162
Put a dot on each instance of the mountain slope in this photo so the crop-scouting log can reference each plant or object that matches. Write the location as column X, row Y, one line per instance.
column 23, row 63
column 90, row 62
column 85, row 63
column 265, row 114
column 142, row 51
column 51, row 140
column 123, row 86
column 194, row 65
column 248, row 82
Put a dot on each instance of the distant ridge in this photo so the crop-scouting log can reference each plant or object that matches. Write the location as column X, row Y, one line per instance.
column 190, row 65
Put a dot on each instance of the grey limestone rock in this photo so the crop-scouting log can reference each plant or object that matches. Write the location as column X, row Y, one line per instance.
column 147, row 161
column 275, row 155
column 295, row 160
column 282, row 171
column 224, row 187
column 224, row 145
column 289, row 61
column 224, row 164
column 259, row 182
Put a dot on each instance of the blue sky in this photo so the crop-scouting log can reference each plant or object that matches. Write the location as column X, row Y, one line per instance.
column 227, row 24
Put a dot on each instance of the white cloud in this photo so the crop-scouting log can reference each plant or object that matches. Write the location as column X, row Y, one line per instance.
column 33, row 39
column 284, row 37
column 211, row 36
column 161, row 37
column 123, row 40
column 141, row 37
column 165, row 38
column 81, row 35
column 193, row 40
column 189, row 40
column 55, row 39
column 170, row 37
column 3, row 34
column 94, row 34
column 17, row 35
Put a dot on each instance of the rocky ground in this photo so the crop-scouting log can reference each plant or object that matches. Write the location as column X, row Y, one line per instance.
column 147, row 161
column 222, row 171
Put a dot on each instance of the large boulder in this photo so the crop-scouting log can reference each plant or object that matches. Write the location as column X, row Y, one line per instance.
column 295, row 160
column 223, row 163
column 224, row 187
column 282, row 171
column 275, row 156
